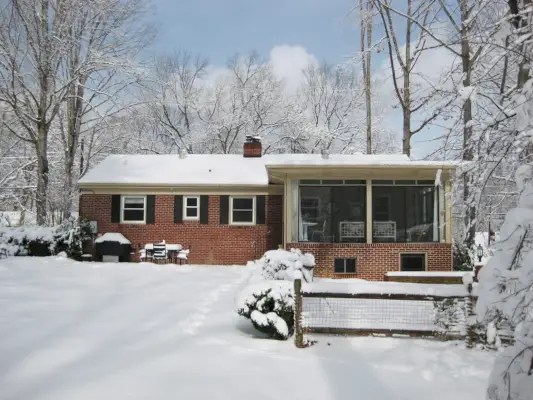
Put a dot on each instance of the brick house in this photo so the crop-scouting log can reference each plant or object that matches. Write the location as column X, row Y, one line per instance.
column 360, row 215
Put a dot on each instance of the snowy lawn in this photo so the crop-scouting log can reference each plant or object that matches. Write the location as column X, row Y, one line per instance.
column 138, row 331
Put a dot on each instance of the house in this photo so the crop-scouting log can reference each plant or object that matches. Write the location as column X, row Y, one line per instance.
column 360, row 215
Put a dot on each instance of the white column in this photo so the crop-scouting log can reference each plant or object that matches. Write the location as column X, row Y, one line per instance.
column 369, row 211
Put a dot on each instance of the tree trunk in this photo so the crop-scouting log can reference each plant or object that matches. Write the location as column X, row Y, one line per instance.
column 468, row 152
column 366, row 58
column 42, row 175
column 407, row 86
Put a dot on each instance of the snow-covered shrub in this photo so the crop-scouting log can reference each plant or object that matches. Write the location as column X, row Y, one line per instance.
column 493, row 332
column 451, row 316
column 42, row 241
column 281, row 264
column 270, row 307
column 462, row 257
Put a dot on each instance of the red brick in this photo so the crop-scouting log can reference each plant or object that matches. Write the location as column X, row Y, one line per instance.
column 209, row 243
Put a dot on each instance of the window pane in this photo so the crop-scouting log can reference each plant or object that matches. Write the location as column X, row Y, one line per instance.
column 413, row 262
column 339, row 265
column 354, row 182
column 382, row 182
column 243, row 216
column 350, row 265
column 426, row 183
column 332, row 182
column 192, row 201
column 134, row 202
column 133, row 215
column 310, row 182
column 191, row 212
column 243, row 204
column 405, row 182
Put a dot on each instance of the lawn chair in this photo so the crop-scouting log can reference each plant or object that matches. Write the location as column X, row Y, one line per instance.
column 183, row 256
column 159, row 252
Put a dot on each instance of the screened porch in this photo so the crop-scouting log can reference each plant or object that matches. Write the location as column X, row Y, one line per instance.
column 339, row 211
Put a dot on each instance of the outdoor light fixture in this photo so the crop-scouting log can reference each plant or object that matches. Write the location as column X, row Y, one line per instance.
column 479, row 252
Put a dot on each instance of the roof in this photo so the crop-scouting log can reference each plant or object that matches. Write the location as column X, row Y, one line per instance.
column 192, row 170
column 368, row 160
column 228, row 169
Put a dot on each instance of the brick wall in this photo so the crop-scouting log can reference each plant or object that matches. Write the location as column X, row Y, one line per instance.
column 209, row 243
column 374, row 260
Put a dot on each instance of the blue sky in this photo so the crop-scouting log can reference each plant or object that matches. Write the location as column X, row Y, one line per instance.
column 218, row 29
column 296, row 29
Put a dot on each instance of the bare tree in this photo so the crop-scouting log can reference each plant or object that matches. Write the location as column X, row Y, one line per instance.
column 413, row 98
column 366, row 15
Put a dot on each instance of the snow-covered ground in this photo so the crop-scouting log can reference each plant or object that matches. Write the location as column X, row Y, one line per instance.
column 139, row 331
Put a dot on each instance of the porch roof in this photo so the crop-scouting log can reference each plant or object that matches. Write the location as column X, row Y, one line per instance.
column 286, row 161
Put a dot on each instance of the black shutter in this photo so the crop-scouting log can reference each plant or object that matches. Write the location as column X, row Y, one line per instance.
column 260, row 210
column 204, row 209
column 115, row 208
column 178, row 209
column 150, row 209
column 224, row 210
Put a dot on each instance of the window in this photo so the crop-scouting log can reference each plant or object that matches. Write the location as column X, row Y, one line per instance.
column 242, row 211
column 133, row 209
column 413, row 262
column 345, row 265
column 191, row 208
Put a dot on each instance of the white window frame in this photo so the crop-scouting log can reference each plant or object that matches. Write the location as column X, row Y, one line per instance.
column 122, row 209
column 231, row 210
column 185, row 207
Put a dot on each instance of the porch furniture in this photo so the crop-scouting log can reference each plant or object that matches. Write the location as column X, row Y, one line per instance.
column 183, row 256
column 384, row 230
column 159, row 251
column 351, row 230
column 172, row 251
column 419, row 233
column 321, row 232
column 305, row 229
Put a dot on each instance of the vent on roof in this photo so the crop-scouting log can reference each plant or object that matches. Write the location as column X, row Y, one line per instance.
column 325, row 154
column 183, row 153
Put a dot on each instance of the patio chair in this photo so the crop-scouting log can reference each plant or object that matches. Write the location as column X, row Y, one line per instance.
column 159, row 252
column 183, row 256
column 320, row 232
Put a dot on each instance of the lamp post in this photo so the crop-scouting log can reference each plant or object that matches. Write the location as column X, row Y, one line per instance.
column 479, row 252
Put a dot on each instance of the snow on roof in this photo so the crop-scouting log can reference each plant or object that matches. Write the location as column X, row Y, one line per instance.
column 112, row 237
column 226, row 169
column 194, row 169
column 284, row 160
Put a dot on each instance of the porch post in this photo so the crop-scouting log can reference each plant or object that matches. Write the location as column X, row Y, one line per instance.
column 369, row 211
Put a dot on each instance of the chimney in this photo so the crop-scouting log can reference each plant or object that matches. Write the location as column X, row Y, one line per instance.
column 252, row 146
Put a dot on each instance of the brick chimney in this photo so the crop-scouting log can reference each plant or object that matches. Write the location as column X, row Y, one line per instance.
column 252, row 146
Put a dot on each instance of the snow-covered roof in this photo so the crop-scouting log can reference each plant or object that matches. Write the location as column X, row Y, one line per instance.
column 227, row 169
column 286, row 160
column 194, row 169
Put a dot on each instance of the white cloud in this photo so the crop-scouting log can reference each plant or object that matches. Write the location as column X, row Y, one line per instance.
column 289, row 62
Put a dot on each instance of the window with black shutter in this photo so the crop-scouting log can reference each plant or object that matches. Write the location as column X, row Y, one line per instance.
column 242, row 210
column 191, row 208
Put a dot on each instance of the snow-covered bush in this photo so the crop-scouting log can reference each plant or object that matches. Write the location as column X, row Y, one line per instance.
column 281, row 264
column 270, row 307
column 493, row 332
column 41, row 241
column 506, row 287
column 462, row 257
column 450, row 316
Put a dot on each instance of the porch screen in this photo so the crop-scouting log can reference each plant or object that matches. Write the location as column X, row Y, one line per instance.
column 332, row 211
column 404, row 212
